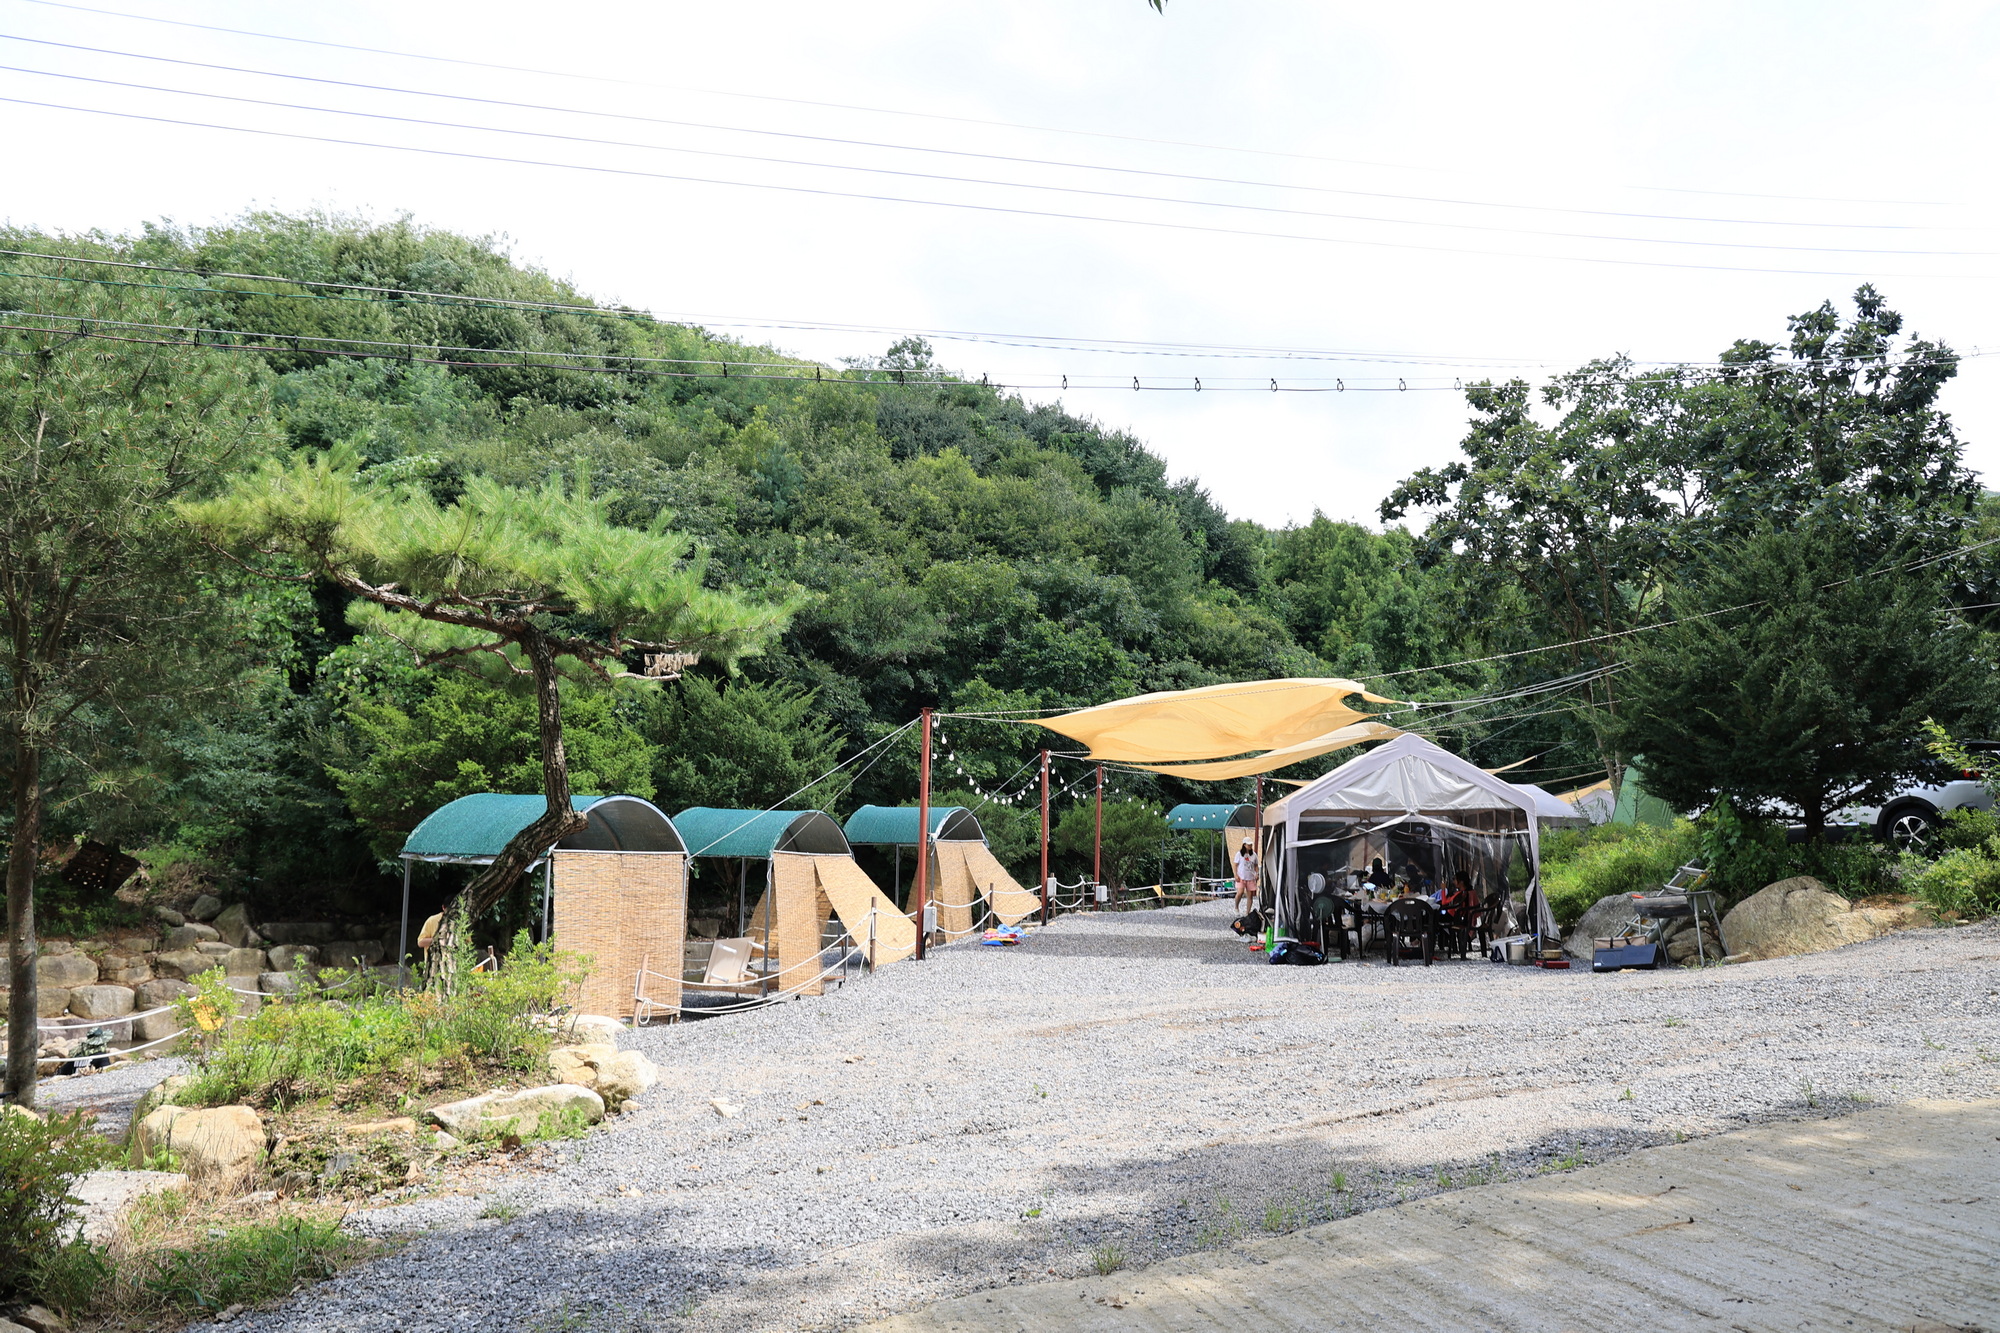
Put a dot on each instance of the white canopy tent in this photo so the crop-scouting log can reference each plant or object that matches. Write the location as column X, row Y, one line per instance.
column 1553, row 809
column 1416, row 798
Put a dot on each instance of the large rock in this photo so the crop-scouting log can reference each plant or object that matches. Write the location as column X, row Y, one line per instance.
column 1606, row 915
column 164, row 991
column 285, row 957
column 243, row 962
column 516, row 1112
column 137, row 944
column 183, row 964
column 100, row 1001
column 189, row 935
column 205, row 908
column 299, row 932
column 123, row 970
column 153, row 1131
column 65, row 970
column 170, row 916
column 1800, row 915
column 616, row 1076
column 213, row 948
column 350, row 954
column 163, row 1093
column 277, row 983
column 234, row 926
column 51, row 1001
column 156, row 1027
column 221, row 1141
column 107, row 1195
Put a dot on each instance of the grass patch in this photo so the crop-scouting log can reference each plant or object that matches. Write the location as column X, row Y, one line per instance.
column 318, row 1043
column 246, row 1264
column 1580, row 866
column 1107, row 1258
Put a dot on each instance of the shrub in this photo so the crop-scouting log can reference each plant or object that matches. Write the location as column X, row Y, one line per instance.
column 39, row 1161
column 1965, row 880
column 1580, row 866
column 1968, row 827
column 313, row 1042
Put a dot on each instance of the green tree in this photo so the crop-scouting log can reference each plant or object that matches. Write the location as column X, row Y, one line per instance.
column 529, row 586
column 1802, row 672
column 107, row 611
column 1134, row 833
column 464, row 736
column 745, row 745
column 1588, row 517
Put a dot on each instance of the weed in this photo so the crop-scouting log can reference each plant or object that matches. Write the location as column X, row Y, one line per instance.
column 1626, row 1096
column 246, row 1264
column 1676, row 1022
column 1225, row 1230
column 1340, row 1182
column 1933, row 1045
column 500, row 1212
column 1033, row 1212
column 1107, row 1258
column 1443, row 1179
column 1040, row 1091
column 1859, row 1096
column 1986, row 1055
column 1807, row 1091
column 1570, row 1161
column 1680, row 1136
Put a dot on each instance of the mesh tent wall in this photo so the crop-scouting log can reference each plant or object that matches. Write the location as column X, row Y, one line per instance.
column 1418, row 807
column 614, row 891
column 964, row 867
column 809, row 878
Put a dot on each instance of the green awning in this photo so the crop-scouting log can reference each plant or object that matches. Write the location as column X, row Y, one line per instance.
column 758, row 833
column 476, row 828
column 886, row 825
column 1212, row 816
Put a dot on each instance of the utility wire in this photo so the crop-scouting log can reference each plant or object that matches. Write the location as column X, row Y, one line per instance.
column 890, row 111
column 1193, row 177
column 959, row 205
column 400, row 296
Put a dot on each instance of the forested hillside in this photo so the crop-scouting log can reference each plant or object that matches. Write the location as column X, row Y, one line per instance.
column 947, row 544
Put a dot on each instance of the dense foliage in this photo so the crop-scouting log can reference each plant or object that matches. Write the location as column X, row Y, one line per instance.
column 942, row 544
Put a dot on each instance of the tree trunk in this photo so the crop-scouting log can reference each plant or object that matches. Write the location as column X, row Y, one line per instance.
column 531, row 843
column 23, row 1022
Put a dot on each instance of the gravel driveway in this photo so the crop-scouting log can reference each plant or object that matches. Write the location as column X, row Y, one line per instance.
column 1128, row 1087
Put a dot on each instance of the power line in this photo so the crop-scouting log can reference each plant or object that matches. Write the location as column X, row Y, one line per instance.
column 399, row 296
column 1194, row 177
column 890, row 111
column 1052, row 214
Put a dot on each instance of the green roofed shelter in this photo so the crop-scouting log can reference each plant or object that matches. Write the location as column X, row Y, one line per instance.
column 755, row 834
column 473, row 830
column 1212, row 816
column 896, row 825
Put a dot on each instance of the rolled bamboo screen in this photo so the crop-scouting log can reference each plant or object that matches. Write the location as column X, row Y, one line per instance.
column 620, row 908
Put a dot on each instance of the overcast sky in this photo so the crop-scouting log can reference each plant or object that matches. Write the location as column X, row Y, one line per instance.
column 1518, row 187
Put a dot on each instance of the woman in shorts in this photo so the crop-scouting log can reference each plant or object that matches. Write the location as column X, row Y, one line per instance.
column 1246, row 879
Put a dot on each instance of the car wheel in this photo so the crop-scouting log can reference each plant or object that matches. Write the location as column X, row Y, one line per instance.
column 1911, row 829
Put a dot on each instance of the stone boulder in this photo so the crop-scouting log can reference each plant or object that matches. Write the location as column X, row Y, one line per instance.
column 243, row 962
column 616, row 1076
column 233, row 924
column 497, row 1113
column 349, row 955
column 206, row 908
column 170, row 916
column 581, row 1029
column 163, row 991
column 277, row 983
column 156, row 1027
column 163, row 1093
column 213, row 948
column 66, row 970
column 123, row 970
column 189, row 935
column 299, row 932
column 1606, row 915
column 183, row 964
column 50, row 1001
column 285, row 957
column 1801, row 915
column 137, row 944
column 221, row 1141
column 100, row 1002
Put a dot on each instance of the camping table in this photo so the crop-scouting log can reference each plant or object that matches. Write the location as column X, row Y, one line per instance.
column 1380, row 908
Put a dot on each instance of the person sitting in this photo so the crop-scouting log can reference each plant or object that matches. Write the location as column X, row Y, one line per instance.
column 1379, row 876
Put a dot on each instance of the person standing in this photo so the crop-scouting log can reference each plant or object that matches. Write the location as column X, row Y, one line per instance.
column 1246, row 879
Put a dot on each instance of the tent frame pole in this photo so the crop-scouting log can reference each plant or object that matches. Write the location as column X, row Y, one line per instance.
column 1045, row 837
column 923, row 883
column 403, row 935
column 1097, row 843
column 1258, row 841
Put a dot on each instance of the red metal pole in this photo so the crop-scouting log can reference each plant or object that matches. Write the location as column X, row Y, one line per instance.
column 1097, row 843
column 1045, row 837
column 923, row 831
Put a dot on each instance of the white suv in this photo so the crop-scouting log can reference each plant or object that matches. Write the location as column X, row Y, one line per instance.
column 1909, row 819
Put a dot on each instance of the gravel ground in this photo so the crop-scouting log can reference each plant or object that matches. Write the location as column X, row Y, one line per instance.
column 112, row 1093
column 1124, row 1088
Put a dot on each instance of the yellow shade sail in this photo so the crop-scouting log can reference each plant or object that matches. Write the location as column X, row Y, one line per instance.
column 1217, row 721
column 1354, row 734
